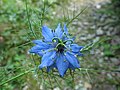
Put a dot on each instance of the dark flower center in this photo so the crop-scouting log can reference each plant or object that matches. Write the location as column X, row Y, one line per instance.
column 60, row 44
column 60, row 47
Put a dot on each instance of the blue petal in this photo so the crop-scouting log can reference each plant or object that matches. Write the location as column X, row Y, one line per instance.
column 71, row 66
column 35, row 49
column 76, row 48
column 72, row 59
column 77, row 53
column 58, row 31
column 48, row 59
column 65, row 29
column 40, row 46
column 62, row 64
column 37, row 41
column 47, row 33
column 41, row 53
column 51, row 67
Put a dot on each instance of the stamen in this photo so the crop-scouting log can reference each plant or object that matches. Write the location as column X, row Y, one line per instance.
column 68, row 40
column 64, row 60
column 55, row 39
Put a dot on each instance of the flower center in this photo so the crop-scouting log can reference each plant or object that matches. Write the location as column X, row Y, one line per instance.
column 60, row 44
column 60, row 47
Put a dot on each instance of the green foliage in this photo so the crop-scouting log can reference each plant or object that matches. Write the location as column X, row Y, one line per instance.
column 116, row 7
column 20, row 23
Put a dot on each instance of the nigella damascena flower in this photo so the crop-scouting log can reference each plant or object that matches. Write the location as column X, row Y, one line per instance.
column 57, row 50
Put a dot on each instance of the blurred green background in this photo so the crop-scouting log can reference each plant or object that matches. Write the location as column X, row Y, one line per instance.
column 100, row 21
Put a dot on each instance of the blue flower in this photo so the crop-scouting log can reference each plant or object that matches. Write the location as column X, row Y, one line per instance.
column 57, row 50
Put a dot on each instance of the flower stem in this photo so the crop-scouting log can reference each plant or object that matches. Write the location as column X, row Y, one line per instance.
column 72, row 75
column 76, row 16
column 16, row 77
column 84, row 69
column 29, row 22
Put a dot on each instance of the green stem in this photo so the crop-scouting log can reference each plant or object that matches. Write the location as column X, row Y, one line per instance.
column 76, row 16
column 88, row 76
column 43, row 13
column 57, row 83
column 50, row 81
column 72, row 75
column 93, row 44
column 43, row 80
column 30, row 26
column 84, row 69
column 16, row 77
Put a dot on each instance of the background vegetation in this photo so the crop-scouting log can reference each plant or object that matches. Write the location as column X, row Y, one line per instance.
column 20, row 23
